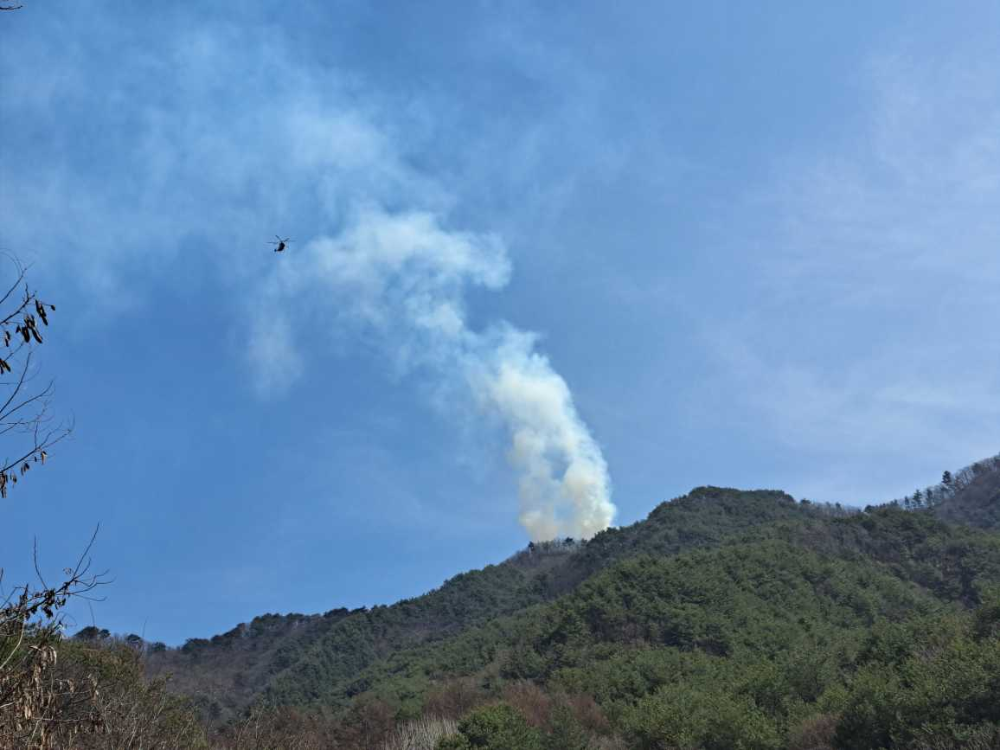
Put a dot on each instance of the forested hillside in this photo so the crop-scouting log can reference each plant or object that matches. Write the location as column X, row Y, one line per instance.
column 971, row 497
column 301, row 659
column 726, row 619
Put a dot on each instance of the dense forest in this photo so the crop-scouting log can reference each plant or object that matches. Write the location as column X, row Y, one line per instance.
column 726, row 619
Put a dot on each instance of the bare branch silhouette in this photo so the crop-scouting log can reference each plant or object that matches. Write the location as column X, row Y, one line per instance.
column 25, row 411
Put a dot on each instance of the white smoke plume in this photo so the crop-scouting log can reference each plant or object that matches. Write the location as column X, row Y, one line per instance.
column 245, row 136
column 564, row 483
column 404, row 275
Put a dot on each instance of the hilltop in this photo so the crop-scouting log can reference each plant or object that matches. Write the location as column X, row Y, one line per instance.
column 304, row 659
column 724, row 614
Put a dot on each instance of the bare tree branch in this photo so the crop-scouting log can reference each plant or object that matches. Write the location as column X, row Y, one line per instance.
column 25, row 417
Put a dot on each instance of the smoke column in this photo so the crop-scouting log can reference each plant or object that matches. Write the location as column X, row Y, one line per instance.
column 404, row 276
column 564, row 484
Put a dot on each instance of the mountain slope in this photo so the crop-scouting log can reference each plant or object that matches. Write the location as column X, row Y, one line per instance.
column 973, row 497
column 766, row 610
column 296, row 658
column 228, row 672
column 827, row 579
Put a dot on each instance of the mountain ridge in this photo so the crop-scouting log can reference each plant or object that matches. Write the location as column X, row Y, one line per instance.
column 533, row 575
column 732, row 576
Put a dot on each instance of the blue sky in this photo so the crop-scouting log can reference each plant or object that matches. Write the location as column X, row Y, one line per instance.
column 538, row 249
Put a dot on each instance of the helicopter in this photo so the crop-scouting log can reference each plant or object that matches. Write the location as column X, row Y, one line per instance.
column 280, row 244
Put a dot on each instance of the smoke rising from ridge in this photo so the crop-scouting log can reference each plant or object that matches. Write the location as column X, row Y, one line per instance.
column 404, row 276
column 318, row 150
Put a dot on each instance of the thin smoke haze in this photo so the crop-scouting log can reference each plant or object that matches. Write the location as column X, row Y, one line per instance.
column 404, row 275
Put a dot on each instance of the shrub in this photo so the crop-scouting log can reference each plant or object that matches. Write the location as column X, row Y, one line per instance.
column 496, row 727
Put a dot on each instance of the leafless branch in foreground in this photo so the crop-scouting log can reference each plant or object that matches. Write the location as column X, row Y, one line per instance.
column 33, row 697
column 26, row 420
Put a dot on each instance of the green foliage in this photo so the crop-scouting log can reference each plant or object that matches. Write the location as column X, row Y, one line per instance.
column 454, row 742
column 565, row 731
column 987, row 619
column 726, row 620
column 921, row 681
column 92, row 633
column 677, row 716
column 496, row 727
column 330, row 669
